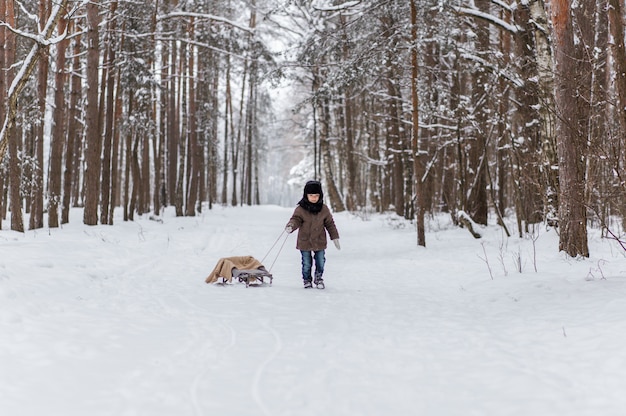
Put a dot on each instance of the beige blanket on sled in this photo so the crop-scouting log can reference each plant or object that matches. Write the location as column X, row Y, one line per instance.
column 225, row 266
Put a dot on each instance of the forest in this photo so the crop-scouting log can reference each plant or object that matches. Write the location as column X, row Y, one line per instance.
column 417, row 107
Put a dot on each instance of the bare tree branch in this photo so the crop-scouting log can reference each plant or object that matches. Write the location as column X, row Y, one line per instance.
column 42, row 41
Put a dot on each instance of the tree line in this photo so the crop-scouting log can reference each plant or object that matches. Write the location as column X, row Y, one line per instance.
column 469, row 107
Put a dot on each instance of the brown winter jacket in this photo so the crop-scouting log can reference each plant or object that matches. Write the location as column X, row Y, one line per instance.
column 312, row 228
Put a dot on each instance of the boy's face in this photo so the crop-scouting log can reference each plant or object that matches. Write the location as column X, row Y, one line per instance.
column 313, row 198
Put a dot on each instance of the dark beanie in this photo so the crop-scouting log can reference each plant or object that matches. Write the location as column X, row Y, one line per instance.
column 313, row 187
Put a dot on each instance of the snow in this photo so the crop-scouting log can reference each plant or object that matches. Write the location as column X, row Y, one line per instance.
column 117, row 320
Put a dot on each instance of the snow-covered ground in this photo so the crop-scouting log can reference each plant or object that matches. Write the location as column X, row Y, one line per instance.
column 117, row 320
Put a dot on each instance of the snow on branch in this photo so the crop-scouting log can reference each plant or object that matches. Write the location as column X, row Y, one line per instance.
column 206, row 16
column 488, row 17
column 434, row 126
column 518, row 82
column 42, row 40
column 29, row 15
column 344, row 6
column 371, row 161
column 507, row 7
column 37, row 38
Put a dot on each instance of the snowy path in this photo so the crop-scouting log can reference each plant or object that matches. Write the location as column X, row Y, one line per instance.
column 118, row 321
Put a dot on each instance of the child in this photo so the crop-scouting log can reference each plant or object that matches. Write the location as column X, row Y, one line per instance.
column 312, row 218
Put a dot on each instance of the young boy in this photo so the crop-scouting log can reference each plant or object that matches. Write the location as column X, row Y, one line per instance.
column 313, row 219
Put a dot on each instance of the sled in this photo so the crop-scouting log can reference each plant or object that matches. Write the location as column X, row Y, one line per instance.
column 244, row 269
column 257, row 276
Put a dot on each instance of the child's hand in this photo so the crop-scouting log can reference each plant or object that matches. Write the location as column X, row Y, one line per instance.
column 289, row 229
column 337, row 244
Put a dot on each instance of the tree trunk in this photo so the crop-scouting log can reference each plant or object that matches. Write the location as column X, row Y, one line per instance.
column 418, row 162
column 58, row 131
column 250, row 133
column 195, row 151
column 334, row 197
column 107, row 99
column 236, row 147
column 228, row 113
column 136, row 175
column 596, row 193
column 498, row 184
column 115, row 157
column 3, row 99
column 209, row 191
column 173, row 134
column 161, row 192
column 3, row 74
column 527, row 116
column 128, row 149
column 545, row 69
column 572, row 212
column 179, row 198
column 348, row 128
column 17, row 223
column 37, row 202
column 247, row 179
column 396, row 146
column 93, row 137
column 616, row 25
column 477, row 206
column 72, row 150
column 145, row 167
column 3, row 175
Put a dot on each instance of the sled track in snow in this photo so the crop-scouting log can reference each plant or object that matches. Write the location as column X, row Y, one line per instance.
column 203, row 371
column 256, row 383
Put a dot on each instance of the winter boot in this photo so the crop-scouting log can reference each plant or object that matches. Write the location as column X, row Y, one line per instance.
column 319, row 282
column 308, row 284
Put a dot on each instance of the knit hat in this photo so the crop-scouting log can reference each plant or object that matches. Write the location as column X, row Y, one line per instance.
column 313, row 187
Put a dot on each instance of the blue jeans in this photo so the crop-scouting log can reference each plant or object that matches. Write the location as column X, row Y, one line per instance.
column 307, row 264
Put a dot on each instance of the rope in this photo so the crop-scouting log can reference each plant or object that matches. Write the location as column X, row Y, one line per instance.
column 270, row 250
column 279, row 250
